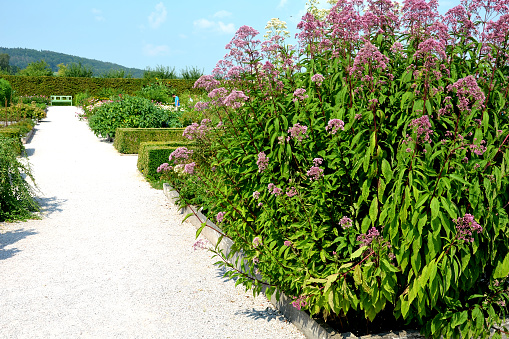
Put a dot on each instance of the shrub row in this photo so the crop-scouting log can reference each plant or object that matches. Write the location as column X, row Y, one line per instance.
column 16, row 131
column 152, row 154
column 5, row 92
column 22, row 111
column 43, row 85
column 128, row 140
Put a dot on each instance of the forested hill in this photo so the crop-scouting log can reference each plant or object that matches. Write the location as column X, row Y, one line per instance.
column 21, row 57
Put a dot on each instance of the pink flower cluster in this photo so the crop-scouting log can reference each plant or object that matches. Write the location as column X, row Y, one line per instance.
column 189, row 168
column 262, row 162
column 466, row 226
column 299, row 94
column 165, row 167
column 206, row 81
column 315, row 173
column 346, row 222
column 371, row 56
column 256, row 195
column 368, row 238
column 465, row 88
column 291, row 192
column 422, row 127
column 180, row 155
column 195, row 131
column 235, row 98
column 318, row 78
column 298, row 132
column 274, row 190
column 335, row 125
column 220, row 217
column 299, row 302
column 257, row 241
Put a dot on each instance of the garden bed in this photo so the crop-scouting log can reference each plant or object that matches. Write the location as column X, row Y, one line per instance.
column 310, row 327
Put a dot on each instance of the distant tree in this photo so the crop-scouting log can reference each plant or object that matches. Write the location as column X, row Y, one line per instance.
column 61, row 70
column 37, row 68
column 191, row 73
column 4, row 63
column 116, row 73
column 160, row 72
column 78, row 71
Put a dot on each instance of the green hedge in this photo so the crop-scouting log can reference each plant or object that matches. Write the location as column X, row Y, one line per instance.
column 128, row 140
column 13, row 132
column 28, row 85
column 153, row 154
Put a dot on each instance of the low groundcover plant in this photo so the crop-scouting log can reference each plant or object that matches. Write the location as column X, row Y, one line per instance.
column 364, row 171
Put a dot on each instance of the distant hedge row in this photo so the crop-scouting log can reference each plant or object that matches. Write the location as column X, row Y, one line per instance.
column 27, row 85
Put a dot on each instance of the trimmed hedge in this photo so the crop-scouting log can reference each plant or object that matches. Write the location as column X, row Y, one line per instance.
column 29, row 85
column 128, row 140
column 153, row 154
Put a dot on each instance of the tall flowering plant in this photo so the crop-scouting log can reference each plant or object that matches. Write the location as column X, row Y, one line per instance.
column 364, row 172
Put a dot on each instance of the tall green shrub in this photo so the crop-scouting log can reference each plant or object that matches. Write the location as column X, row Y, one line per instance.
column 130, row 111
column 16, row 195
column 365, row 173
column 5, row 93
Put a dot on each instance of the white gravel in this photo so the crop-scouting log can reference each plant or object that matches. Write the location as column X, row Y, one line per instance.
column 110, row 257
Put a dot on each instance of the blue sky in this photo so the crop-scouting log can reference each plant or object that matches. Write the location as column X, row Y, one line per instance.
column 143, row 33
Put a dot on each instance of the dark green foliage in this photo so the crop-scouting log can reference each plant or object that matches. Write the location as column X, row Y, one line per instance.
column 16, row 195
column 77, row 70
column 152, row 154
column 191, row 73
column 94, row 86
column 13, row 133
column 116, row 74
column 21, row 57
column 160, row 72
column 128, row 111
column 4, row 62
column 128, row 140
column 158, row 92
column 37, row 69
column 5, row 93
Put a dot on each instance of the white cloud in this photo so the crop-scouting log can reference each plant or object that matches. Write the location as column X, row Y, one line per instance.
column 213, row 26
column 226, row 28
column 224, row 14
column 98, row 14
column 204, row 23
column 156, row 18
column 282, row 3
column 152, row 50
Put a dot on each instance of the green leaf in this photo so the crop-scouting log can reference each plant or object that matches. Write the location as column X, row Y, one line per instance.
column 358, row 253
column 187, row 216
column 502, row 269
column 386, row 170
column 357, row 275
column 198, row 231
column 373, row 210
column 435, row 208
column 330, row 279
column 459, row 318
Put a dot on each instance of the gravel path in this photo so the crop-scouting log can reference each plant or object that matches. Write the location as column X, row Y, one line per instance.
column 110, row 257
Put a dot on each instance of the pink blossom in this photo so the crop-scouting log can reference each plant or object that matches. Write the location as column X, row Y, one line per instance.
column 256, row 195
column 180, row 154
column 298, row 131
column 466, row 226
column 346, row 222
column 299, row 302
column 235, row 98
column 291, row 192
column 299, row 94
column 164, row 168
column 467, row 88
column 274, row 190
column 318, row 78
column 220, row 217
column 368, row 55
column 262, row 162
column 315, row 173
column 206, row 81
column 334, row 125
column 257, row 241
column 422, row 127
column 189, row 168
column 367, row 239
column 288, row 243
